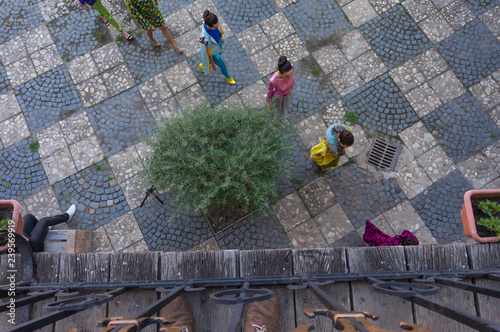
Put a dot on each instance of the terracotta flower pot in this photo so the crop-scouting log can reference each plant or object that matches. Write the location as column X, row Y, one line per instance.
column 468, row 216
column 17, row 217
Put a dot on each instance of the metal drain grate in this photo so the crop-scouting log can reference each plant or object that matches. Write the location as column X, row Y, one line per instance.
column 384, row 155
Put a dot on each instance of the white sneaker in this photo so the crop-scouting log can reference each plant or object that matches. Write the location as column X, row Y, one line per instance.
column 71, row 211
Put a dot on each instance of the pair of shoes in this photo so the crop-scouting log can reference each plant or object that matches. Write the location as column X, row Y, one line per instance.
column 230, row 80
column 262, row 316
column 71, row 211
column 179, row 311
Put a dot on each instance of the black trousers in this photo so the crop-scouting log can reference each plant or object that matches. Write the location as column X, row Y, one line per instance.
column 36, row 230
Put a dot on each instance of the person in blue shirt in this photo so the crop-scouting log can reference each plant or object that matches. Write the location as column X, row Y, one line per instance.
column 211, row 46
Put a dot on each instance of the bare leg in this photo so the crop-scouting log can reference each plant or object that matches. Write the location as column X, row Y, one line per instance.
column 153, row 41
column 167, row 35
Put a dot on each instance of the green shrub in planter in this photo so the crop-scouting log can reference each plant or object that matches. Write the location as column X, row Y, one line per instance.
column 209, row 158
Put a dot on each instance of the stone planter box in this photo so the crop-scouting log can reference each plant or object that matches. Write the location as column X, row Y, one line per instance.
column 16, row 217
column 468, row 216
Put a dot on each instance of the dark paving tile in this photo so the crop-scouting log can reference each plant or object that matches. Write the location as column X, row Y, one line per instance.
column 170, row 7
column 381, row 106
column 242, row 14
column 144, row 60
column 350, row 240
column 261, row 232
column 78, row 33
column 395, row 36
column 317, row 21
column 17, row 17
column 21, row 173
column 4, row 80
column 96, row 194
column 361, row 194
column 439, row 207
column 301, row 168
column 121, row 121
column 164, row 232
column 480, row 6
column 462, row 127
column 48, row 98
column 472, row 52
column 310, row 93
column 214, row 85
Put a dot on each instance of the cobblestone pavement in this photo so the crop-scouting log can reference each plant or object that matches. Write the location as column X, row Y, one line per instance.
column 421, row 74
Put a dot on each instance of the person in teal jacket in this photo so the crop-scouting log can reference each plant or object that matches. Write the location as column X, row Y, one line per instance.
column 211, row 46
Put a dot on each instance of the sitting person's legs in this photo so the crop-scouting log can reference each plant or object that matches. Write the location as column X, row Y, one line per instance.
column 29, row 223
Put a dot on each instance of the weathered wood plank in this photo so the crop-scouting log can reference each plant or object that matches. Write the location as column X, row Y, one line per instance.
column 446, row 257
column 486, row 256
column 392, row 310
column 47, row 270
column 83, row 268
column 319, row 261
column 133, row 266
column 208, row 316
column 272, row 263
column 57, row 235
column 55, row 247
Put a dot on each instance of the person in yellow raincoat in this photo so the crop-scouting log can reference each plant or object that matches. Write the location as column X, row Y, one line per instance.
column 327, row 153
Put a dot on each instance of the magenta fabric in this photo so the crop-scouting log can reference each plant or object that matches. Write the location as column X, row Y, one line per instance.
column 375, row 236
column 279, row 86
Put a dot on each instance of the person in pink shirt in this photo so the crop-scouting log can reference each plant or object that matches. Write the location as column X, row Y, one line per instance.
column 279, row 88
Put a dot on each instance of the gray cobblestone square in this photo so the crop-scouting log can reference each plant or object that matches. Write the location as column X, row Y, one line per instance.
column 241, row 14
column 265, row 61
column 447, row 86
column 436, row 28
column 418, row 139
column 166, row 109
column 191, row 97
column 179, row 22
column 311, row 130
column 19, row 17
column 291, row 211
column 155, row 90
column 293, row 47
column 457, row 14
column 133, row 189
column 413, row 180
column 330, row 58
column 43, row 203
column 59, row 165
column 317, row 196
column 86, row 152
column 107, row 56
column 307, row 235
column 125, row 164
column 180, row 77
column 8, row 105
column 333, row 224
column 20, row 72
column 76, row 127
column 403, row 216
column 118, row 80
column 478, row 170
column 254, row 95
column 277, row 27
column 490, row 20
column 13, row 51
column 423, row 99
column 50, row 139
column 253, row 39
column 189, row 41
column 487, row 92
column 123, row 231
column 346, row 79
column 359, row 12
column 46, row 59
column 92, row 91
column 369, row 66
column 430, row 63
column 353, row 45
column 407, row 76
column 82, row 68
column 14, row 130
column 436, row 163
column 381, row 6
